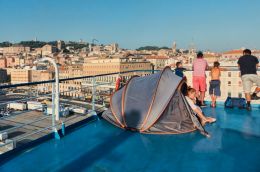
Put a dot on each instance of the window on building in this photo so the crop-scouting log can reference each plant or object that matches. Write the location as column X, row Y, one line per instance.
column 229, row 74
column 239, row 83
column 229, row 94
column 229, row 83
column 239, row 95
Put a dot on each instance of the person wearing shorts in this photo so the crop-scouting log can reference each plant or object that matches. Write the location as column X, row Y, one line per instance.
column 248, row 65
column 214, row 85
column 199, row 67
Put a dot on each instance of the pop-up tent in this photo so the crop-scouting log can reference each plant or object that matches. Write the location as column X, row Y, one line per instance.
column 153, row 104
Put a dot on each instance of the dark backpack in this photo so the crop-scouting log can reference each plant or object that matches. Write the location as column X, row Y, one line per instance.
column 232, row 102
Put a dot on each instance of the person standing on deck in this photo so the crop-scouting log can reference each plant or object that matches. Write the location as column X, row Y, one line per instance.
column 248, row 65
column 214, row 84
column 199, row 67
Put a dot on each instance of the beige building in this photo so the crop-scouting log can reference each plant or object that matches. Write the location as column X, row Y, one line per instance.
column 107, row 65
column 16, row 50
column 112, row 48
column 16, row 61
column 67, row 87
column 211, row 57
column 48, row 49
column 28, row 75
column 164, row 52
column 159, row 62
column 42, row 75
column 10, row 62
column 20, row 76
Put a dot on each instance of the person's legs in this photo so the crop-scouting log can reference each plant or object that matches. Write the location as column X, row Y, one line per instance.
column 217, row 91
column 257, row 89
column 202, row 97
column 212, row 93
column 213, row 100
column 247, row 85
column 202, row 117
column 248, row 97
column 202, row 85
column 196, row 86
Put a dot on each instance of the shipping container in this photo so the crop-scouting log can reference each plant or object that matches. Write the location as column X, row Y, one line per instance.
column 17, row 106
column 33, row 105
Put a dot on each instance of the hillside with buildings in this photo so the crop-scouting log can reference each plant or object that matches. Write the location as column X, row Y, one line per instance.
column 83, row 59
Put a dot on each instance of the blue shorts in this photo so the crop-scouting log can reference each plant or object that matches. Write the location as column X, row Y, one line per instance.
column 214, row 87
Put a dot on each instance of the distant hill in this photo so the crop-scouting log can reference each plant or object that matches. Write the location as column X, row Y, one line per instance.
column 152, row 48
column 36, row 44
column 5, row 44
column 39, row 44
column 32, row 44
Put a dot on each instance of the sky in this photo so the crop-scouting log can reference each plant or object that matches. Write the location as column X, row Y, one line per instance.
column 216, row 25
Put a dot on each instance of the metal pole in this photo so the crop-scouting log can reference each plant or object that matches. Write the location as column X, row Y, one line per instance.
column 56, row 98
column 93, row 93
column 57, row 93
column 57, row 87
column 93, row 111
column 53, row 107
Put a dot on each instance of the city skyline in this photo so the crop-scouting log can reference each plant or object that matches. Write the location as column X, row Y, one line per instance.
column 212, row 25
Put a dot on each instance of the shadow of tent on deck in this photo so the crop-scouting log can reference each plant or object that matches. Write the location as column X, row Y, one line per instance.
column 87, row 159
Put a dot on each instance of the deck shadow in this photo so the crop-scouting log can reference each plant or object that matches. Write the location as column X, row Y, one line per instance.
column 90, row 157
column 5, row 127
column 15, row 134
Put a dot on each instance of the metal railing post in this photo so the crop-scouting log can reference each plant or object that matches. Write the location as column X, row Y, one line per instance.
column 57, row 93
column 53, row 106
column 93, row 112
column 56, row 98
column 57, row 87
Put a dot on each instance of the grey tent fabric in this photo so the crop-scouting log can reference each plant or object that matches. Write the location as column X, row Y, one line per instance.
column 153, row 104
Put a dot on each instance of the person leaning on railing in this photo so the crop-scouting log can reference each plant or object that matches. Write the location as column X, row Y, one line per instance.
column 179, row 69
column 248, row 65
column 199, row 66
column 214, row 84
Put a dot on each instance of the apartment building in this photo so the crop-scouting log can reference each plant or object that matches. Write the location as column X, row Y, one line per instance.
column 10, row 61
column 29, row 75
column 67, row 87
column 114, row 65
column 47, row 50
column 159, row 62
column 20, row 76
column 16, row 50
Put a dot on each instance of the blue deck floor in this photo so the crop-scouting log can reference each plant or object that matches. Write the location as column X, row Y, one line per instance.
column 99, row 147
